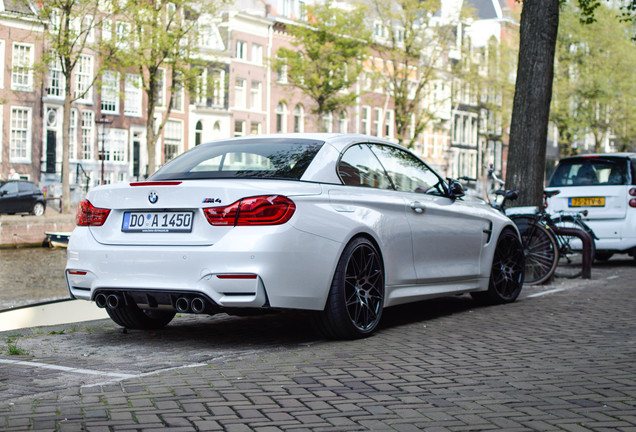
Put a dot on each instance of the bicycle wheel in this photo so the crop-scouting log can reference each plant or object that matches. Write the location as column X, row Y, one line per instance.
column 571, row 247
column 540, row 249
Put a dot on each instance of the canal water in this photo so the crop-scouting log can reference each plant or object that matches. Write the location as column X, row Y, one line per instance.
column 31, row 275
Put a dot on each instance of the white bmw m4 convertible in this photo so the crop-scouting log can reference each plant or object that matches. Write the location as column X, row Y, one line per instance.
column 341, row 226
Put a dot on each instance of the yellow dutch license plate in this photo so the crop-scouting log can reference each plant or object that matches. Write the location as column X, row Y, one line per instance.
column 587, row 202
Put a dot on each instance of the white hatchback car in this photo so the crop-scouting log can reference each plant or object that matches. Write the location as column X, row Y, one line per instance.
column 338, row 225
column 604, row 186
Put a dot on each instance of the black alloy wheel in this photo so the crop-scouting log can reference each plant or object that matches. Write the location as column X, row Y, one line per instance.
column 356, row 299
column 507, row 271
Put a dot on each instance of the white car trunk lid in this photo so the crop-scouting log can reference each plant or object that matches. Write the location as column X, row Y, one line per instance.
column 606, row 202
column 178, row 199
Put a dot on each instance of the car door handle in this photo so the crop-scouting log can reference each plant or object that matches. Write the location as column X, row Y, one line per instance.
column 417, row 207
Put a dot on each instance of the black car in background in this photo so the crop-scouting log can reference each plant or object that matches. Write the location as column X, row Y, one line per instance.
column 21, row 196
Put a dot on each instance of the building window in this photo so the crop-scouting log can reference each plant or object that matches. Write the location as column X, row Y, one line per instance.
column 388, row 124
column 299, row 119
column 177, row 92
column 257, row 54
column 115, row 145
column 83, row 78
column 123, row 34
column 239, row 128
column 110, row 92
column 239, row 93
column 107, row 30
column 132, row 95
column 281, row 74
column 241, row 50
column 160, row 86
column 281, row 117
column 22, row 67
column 255, row 128
column 2, row 45
column 218, row 87
column 366, row 121
column 377, row 129
column 73, row 134
column 20, row 135
column 327, row 123
column 88, row 127
column 343, row 122
column 198, row 133
column 55, row 86
column 202, row 88
column 257, row 99
column 172, row 138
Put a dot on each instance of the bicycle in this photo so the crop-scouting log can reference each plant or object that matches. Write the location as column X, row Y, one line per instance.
column 549, row 250
column 540, row 246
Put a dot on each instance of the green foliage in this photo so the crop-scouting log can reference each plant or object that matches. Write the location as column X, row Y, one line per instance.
column 412, row 51
column 594, row 91
column 327, row 57
column 161, row 42
column 12, row 346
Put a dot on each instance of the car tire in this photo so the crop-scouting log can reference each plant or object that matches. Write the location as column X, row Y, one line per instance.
column 356, row 298
column 131, row 317
column 507, row 271
column 603, row 256
column 38, row 209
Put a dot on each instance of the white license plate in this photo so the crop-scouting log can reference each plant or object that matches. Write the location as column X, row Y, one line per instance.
column 157, row 222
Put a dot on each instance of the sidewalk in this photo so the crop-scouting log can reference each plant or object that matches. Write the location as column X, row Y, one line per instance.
column 560, row 358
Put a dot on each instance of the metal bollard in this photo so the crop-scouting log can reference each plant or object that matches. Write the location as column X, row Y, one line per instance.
column 587, row 240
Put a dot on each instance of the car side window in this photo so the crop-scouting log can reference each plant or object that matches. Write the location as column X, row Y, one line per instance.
column 407, row 172
column 360, row 167
column 9, row 188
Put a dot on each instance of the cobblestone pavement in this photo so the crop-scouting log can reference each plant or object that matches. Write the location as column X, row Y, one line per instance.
column 563, row 357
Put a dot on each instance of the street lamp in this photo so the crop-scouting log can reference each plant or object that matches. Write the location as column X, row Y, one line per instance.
column 103, row 122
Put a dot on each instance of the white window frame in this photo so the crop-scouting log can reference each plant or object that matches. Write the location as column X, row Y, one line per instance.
column 218, row 90
column 87, row 135
column 241, row 50
column 160, row 89
column 239, row 132
column 299, row 118
column 240, row 89
column 116, row 145
column 281, row 118
column 366, row 120
column 177, row 92
column 72, row 134
column 20, row 135
column 257, row 54
column 110, row 92
column 56, row 80
column 132, row 95
column 2, row 49
column 173, row 136
column 377, row 122
column 83, row 79
column 256, row 96
column 22, row 66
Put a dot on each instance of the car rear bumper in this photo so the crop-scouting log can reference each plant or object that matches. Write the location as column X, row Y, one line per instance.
column 286, row 268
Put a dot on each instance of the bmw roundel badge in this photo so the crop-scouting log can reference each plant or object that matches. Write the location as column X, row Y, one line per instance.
column 153, row 197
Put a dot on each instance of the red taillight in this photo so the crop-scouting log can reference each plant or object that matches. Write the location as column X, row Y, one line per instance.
column 87, row 215
column 632, row 202
column 632, row 192
column 260, row 210
column 236, row 276
column 77, row 272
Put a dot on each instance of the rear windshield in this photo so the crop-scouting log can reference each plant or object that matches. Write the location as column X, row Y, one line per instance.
column 590, row 172
column 269, row 158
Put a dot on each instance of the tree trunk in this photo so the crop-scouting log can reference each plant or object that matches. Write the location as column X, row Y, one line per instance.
column 66, row 148
column 533, row 93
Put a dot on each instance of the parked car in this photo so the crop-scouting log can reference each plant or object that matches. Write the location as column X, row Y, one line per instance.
column 604, row 186
column 341, row 226
column 21, row 196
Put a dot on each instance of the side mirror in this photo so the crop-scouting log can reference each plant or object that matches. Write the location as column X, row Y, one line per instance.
column 3, row 193
column 455, row 189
